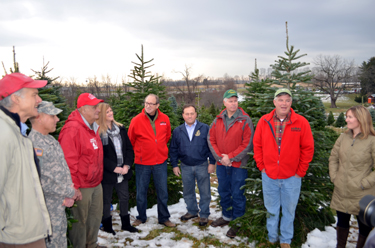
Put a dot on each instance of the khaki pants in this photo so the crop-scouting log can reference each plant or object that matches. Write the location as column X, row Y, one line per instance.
column 89, row 213
column 41, row 243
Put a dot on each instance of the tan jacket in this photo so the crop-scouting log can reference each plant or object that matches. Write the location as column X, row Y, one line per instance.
column 350, row 169
column 23, row 213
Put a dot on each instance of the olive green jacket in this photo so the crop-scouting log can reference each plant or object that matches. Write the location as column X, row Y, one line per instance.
column 350, row 168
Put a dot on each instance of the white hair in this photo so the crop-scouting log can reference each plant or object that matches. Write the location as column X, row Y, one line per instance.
column 7, row 101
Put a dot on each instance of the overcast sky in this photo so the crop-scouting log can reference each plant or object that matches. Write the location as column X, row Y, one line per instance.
column 86, row 38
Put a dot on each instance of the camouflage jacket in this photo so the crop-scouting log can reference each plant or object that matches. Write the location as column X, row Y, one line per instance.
column 55, row 175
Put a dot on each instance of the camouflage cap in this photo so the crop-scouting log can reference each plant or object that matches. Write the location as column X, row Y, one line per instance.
column 48, row 108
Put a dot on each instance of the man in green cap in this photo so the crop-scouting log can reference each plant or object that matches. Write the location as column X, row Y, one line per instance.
column 283, row 149
column 230, row 140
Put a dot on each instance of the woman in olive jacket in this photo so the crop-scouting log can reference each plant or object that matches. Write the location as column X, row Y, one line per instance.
column 118, row 157
column 350, row 168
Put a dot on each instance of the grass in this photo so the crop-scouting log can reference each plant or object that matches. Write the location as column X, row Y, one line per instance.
column 342, row 105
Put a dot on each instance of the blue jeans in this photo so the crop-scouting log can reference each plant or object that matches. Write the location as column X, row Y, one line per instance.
column 200, row 173
column 143, row 175
column 232, row 199
column 284, row 193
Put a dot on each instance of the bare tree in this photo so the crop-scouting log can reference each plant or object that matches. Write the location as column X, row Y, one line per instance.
column 190, row 88
column 333, row 73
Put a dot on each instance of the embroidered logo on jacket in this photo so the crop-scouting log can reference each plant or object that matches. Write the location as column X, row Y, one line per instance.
column 198, row 133
column 163, row 123
column 94, row 144
column 296, row 129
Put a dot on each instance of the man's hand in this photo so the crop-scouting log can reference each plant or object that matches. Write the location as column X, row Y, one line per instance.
column 118, row 170
column 68, row 202
column 297, row 176
column 176, row 171
column 77, row 195
column 264, row 171
column 225, row 160
column 211, row 168
column 125, row 170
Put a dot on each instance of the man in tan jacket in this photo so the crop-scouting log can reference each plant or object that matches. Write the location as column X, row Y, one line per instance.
column 24, row 219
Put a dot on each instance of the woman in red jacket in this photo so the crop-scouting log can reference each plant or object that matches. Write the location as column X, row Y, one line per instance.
column 117, row 160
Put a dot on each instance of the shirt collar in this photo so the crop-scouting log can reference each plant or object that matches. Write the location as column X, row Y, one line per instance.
column 192, row 126
column 93, row 127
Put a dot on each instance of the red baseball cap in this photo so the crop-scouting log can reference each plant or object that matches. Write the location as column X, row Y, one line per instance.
column 87, row 99
column 16, row 81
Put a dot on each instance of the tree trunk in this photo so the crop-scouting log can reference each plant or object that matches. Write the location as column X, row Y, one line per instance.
column 333, row 102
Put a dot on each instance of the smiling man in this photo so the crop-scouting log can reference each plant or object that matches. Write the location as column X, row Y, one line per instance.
column 83, row 149
column 24, row 219
column 230, row 140
column 283, row 149
column 189, row 145
column 149, row 133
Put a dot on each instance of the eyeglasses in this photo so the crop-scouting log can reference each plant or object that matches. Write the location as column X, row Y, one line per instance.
column 149, row 103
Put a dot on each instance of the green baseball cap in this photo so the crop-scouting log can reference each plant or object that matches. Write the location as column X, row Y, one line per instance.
column 282, row 90
column 230, row 93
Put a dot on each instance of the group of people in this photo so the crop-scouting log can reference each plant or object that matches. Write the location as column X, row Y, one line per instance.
column 94, row 154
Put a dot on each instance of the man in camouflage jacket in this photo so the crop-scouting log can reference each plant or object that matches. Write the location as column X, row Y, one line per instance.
column 55, row 175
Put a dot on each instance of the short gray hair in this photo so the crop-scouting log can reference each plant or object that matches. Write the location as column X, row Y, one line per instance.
column 7, row 101
column 156, row 97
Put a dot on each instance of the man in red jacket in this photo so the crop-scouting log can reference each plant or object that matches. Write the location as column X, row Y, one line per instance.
column 283, row 149
column 149, row 133
column 83, row 150
column 230, row 139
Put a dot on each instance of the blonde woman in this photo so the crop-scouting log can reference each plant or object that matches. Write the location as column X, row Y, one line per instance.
column 117, row 160
column 351, row 170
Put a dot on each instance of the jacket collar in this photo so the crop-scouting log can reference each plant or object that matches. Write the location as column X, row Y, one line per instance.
column 241, row 115
column 14, row 116
column 293, row 116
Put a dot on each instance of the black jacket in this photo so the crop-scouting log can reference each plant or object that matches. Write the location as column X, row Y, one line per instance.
column 110, row 158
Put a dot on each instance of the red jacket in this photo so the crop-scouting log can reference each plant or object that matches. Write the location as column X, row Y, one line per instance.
column 236, row 142
column 83, row 152
column 297, row 147
column 148, row 148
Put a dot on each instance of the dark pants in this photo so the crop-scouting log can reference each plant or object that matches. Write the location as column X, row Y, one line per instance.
column 143, row 176
column 343, row 220
column 123, row 197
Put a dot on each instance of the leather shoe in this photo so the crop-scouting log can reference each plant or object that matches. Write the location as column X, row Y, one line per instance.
column 232, row 232
column 265, row 245
column 203, row 221
column 219, row 222
column 284, row 245
column 137, row 222
column 168, row 223
column 188, row 216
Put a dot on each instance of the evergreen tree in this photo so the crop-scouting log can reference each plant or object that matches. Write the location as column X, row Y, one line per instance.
column 284, row 69
column 312, row 210
column 205, row 116
column 340, row 122
column 372, row 112
column 129, row 104
column 51, row 93
column 330, row 119
column 173, row 103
